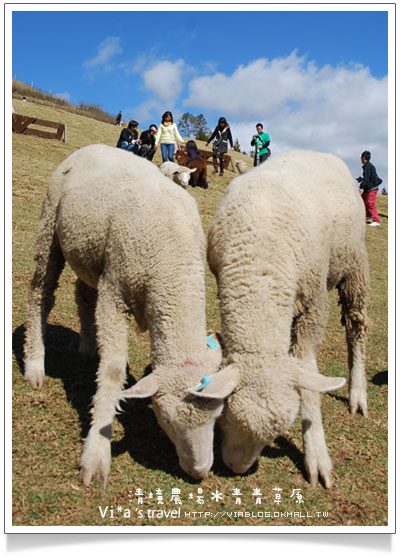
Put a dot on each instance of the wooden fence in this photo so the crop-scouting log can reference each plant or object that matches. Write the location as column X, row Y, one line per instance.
column 21, row 124
column 207, row 155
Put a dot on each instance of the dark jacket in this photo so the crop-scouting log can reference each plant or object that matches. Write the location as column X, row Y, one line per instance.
column 221, row 143
column 126, row 135
column 147, row 138
column 193, row 154
column 369, row 178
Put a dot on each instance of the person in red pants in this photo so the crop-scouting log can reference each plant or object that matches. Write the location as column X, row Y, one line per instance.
column 369, row 184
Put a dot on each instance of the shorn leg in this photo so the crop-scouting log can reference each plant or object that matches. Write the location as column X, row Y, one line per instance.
column 86, row 298
column 354, row 295
column 112, row 337
column 49, row 264
column 307, row 335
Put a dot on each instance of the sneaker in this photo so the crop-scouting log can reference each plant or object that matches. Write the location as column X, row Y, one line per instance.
column 374, row 224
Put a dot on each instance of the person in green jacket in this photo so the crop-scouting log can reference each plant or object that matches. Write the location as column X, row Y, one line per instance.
column 261, row 142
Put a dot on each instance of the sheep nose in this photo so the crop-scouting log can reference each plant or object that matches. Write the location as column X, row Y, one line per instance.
column 199, row 472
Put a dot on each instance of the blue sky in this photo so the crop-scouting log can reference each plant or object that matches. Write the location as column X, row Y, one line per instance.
column 316, row 79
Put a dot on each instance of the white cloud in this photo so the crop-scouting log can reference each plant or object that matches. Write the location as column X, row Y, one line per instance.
column 106, row 50
column 341, row 110
column 146, row 113
column 165, row 79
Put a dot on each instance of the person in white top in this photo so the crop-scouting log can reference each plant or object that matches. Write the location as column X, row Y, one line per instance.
column 167, row 134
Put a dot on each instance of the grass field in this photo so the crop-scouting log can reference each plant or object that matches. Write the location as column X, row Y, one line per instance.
column 48, row 425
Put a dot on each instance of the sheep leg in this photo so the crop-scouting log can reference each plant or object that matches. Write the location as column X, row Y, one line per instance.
column 86, row 298
column 316, row 456
column 112, row 337
column 354, row 293
column 307, row 335
column 49, row 265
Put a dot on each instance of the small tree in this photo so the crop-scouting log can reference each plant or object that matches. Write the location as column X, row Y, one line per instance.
column 194, row 126
column 186, row 123
column 384, row 192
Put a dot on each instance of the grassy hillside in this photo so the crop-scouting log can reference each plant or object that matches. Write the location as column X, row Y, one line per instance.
column 48, row 425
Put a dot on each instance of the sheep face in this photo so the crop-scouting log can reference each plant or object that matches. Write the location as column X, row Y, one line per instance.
column 263, row 404
column 254, row 416
column 189, row 423
column 182, row 176
column 187, row 420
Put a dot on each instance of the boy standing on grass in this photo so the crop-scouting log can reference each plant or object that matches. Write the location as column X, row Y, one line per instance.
column 369, row 183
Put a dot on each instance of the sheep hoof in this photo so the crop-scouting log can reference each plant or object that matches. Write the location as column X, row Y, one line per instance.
column 34, row 373
column 358, row 402
column 87, row 476
column 354, row 408
column 95, row 460
column 327, row 480
column 325, row 477
column 319, row 466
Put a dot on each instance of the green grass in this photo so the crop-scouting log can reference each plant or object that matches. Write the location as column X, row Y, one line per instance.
column 48, row 425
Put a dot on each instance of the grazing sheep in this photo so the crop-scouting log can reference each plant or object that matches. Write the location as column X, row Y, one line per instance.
column 241, row 167
column 179, row 174
column 199, row 176
column 282, row 237
column 136, row 244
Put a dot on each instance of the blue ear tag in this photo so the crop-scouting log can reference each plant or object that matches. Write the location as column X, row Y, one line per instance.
column 204, row 382
column 211, row 343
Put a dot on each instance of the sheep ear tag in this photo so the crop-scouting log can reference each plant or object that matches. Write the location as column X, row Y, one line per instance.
column 146, row 387
column 212, row 343
column 217, row 386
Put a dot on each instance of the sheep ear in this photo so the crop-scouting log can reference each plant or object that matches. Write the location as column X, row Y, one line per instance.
column 316, row 382
column 191, row 170
column 221, row 384
column 148, row 386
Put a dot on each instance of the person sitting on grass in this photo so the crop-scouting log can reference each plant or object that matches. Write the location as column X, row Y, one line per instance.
column 128, row 139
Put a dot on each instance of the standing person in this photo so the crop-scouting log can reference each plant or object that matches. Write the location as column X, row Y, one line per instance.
column 167, row 135
column 261, row 141
column 369, row 183
column 148, row 138
column 223, row 134
column 128, row 138
column 118, row 119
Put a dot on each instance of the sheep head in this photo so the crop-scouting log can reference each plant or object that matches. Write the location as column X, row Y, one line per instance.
column 263, row 405
column 188, row 420
column 182, row 174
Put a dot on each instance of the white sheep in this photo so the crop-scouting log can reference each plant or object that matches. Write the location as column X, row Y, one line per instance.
column 242, row 167
column 179, row 174
column 284, row 235
column 136, row 244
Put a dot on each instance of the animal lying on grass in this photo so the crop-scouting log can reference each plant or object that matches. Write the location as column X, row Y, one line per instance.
column 199, row 176
column 99, row 216
column 284, row 235
column 179, row 174
column 242, row 167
